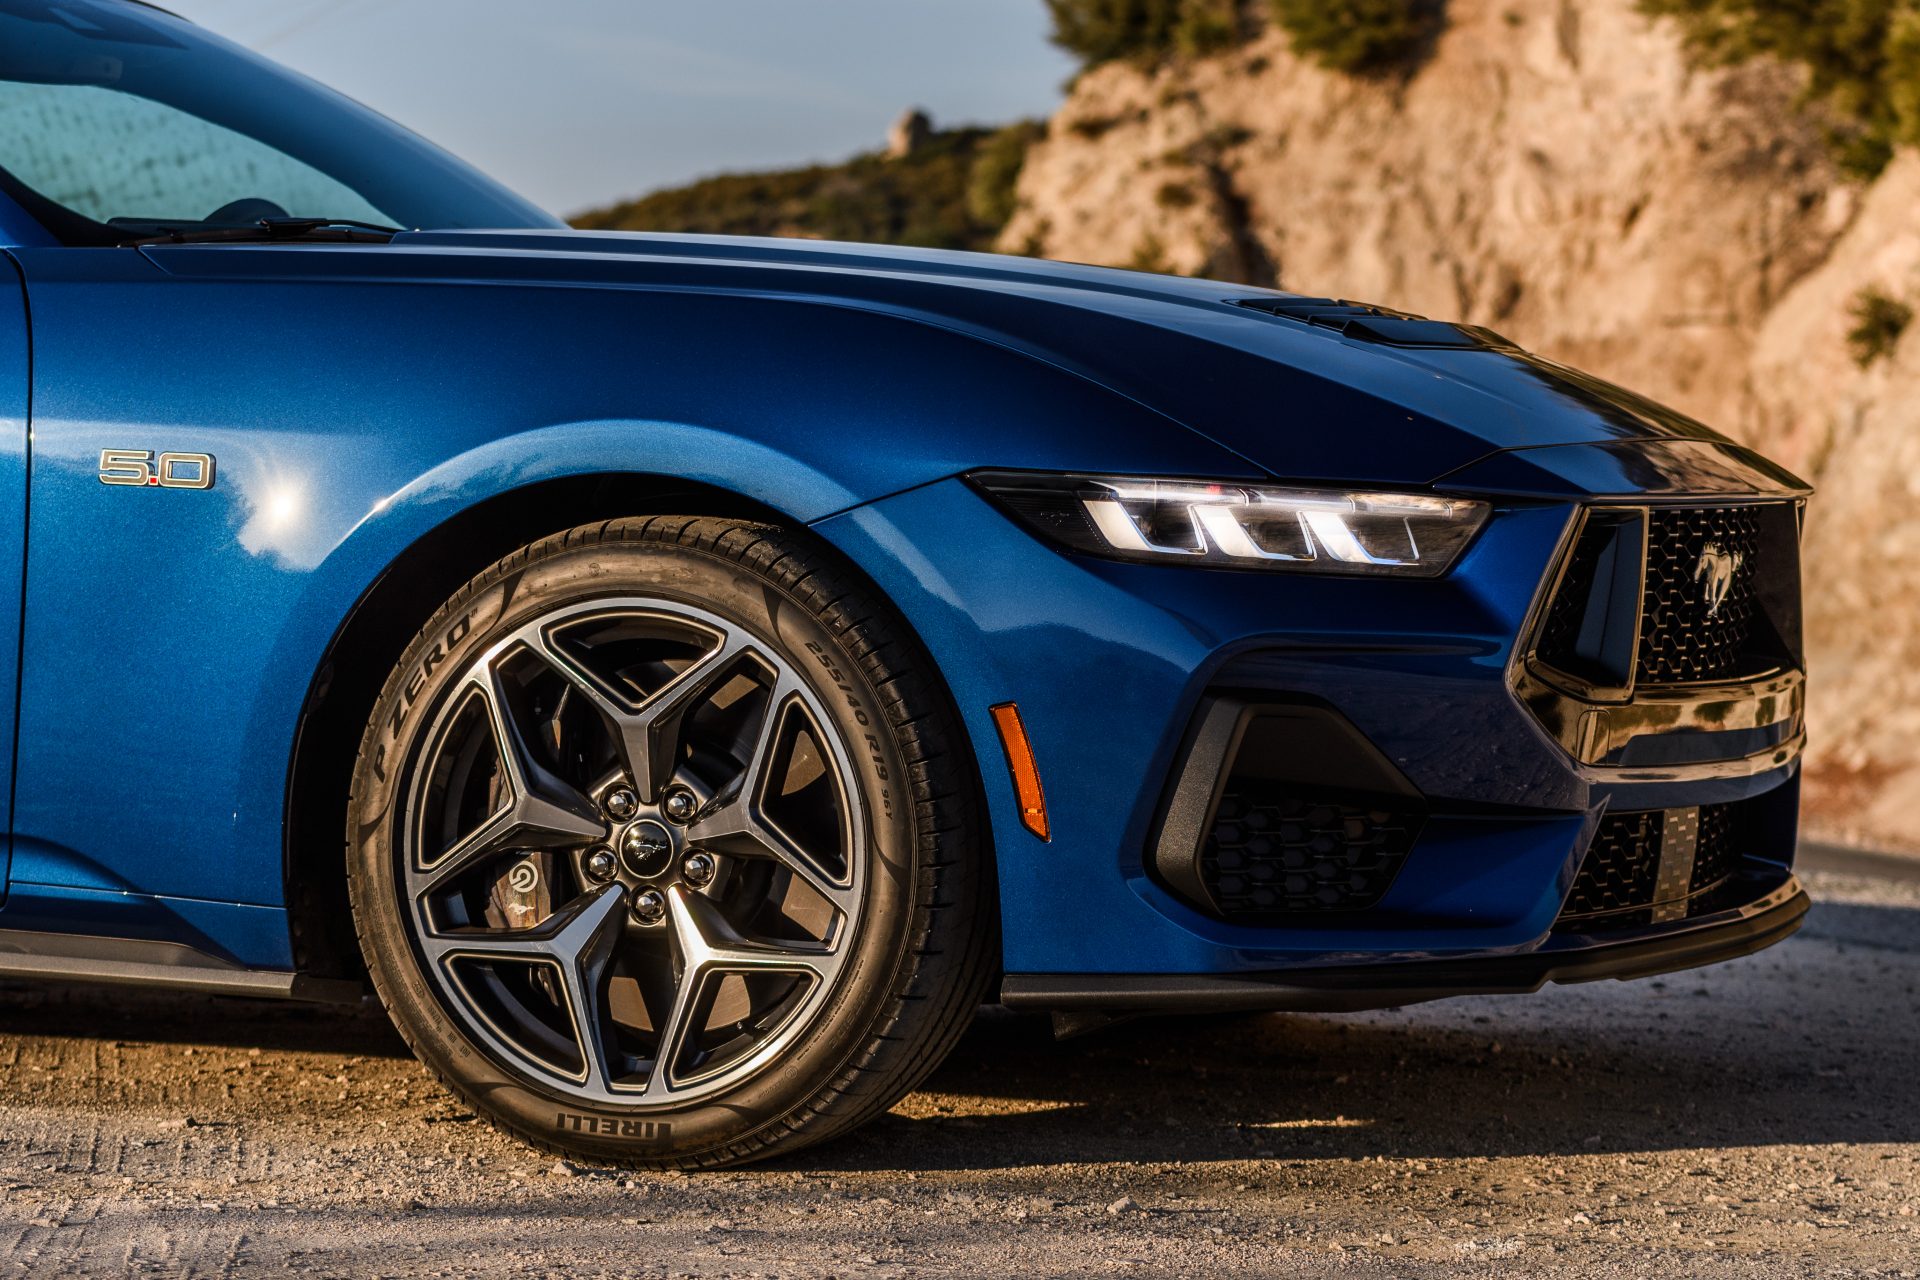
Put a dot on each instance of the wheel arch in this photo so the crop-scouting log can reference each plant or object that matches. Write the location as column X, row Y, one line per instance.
column 387, row 616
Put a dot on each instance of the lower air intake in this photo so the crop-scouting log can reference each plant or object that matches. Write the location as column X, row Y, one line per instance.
column 1276, row 851
column 1279, row 813
column 1657, row 865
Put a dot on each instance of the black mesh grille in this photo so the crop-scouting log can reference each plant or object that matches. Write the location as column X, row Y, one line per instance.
column 1622, row 865
column 1274, row 851
column 1619, row 881
column 1719, row 601
column 1683, row 636
column 1718, row 853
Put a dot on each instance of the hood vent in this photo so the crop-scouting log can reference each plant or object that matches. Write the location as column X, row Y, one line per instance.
column 1369, row 323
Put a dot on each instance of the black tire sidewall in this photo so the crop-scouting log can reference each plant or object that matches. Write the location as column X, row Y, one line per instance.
column 495, row 605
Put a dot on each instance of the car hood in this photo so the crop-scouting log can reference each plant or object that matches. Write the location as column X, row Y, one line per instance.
column 1301, row 399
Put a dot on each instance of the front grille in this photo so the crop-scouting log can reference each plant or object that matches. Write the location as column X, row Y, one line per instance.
column 1619, row 884
column 1718, row 599
column 1274, row 851
column 1683, row 637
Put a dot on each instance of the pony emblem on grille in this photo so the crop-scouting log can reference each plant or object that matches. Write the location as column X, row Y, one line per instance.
column 1716, row 568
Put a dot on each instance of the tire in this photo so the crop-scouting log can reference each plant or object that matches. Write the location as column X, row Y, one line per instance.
column 663, row 847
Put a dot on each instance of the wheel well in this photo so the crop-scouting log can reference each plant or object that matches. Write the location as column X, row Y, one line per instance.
column 371, row 640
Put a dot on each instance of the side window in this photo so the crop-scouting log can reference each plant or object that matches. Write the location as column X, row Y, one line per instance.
column 115, row 157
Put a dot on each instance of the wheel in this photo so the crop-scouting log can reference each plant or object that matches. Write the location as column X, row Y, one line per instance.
column 661, row 847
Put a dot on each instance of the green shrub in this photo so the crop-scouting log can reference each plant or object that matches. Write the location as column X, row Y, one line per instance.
column 1225, row 137
column 955, row 192
column 1357, row 36
column 1903, row 74
column 1361, row 37
column 1208, row 26
column 1878, row 322
column 1862, row 59
column 1099, row 31
column 990, row 190
column 1175, row 195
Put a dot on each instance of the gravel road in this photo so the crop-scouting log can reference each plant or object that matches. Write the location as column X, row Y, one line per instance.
column 1758, row 1119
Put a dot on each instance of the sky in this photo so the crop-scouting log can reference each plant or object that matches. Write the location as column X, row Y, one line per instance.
column 575, row 103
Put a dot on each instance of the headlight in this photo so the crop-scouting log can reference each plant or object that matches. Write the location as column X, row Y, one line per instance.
column 1233, row 525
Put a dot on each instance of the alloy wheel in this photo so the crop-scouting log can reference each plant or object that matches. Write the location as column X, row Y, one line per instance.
column 633, row 852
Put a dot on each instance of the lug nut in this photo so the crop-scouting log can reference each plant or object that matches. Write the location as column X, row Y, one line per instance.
column 680, row 805
column 649, row 906
column 601, row 864
column 621, row 804
column 697, row 870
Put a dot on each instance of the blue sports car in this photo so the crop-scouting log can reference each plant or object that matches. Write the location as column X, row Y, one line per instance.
column 685, row 677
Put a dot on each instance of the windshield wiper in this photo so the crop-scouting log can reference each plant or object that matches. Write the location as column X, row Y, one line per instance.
column 267, row 230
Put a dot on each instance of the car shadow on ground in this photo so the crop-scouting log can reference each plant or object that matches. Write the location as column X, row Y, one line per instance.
column 165, row 1017
column 1812, row 1042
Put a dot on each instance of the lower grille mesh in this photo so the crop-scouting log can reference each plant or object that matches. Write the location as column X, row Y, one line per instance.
column 1718, row 854
column 1618, row 885
column 1273, row 851
column 1622, row 865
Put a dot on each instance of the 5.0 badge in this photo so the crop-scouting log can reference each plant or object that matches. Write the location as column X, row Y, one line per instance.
column 168, row 471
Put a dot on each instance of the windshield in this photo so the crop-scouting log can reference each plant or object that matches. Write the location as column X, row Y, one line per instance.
column 119, row 122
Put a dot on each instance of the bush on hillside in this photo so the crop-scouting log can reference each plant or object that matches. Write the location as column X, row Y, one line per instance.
column 990, row 188
column 1862, row 59
column 1099, row 31
column 1878, row 322
column 1360, row 37
column 1208, row 26
column 953, row 192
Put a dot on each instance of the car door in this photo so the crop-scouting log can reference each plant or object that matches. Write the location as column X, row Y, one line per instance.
column 127, row 798
column 13, row 524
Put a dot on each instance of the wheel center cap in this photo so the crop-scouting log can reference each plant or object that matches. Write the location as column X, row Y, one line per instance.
column 646, row 849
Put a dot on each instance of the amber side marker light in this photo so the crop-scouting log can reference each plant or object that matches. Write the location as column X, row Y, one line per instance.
column 1026, row 774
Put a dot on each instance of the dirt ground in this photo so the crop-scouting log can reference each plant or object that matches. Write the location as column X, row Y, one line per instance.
column 1758, row 1119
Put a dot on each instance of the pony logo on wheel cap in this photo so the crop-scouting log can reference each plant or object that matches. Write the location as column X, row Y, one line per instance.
column 647, row 849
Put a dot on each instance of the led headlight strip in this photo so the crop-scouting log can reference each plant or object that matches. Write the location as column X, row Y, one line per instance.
column 1234, row 525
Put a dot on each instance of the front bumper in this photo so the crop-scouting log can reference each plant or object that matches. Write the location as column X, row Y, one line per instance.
column 1111, row 663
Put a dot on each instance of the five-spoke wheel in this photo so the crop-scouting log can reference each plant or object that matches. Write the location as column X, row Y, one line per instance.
column 637, row 859
column 631, row 849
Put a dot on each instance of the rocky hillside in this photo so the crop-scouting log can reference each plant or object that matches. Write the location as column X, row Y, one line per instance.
column 940, row 189
column 1563, row 172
